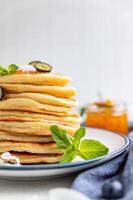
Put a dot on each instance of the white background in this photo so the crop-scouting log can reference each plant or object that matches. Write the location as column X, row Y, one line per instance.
column 90, row 40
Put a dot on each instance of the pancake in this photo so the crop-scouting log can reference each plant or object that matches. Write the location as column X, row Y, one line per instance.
column 36, row 79
column 65, row 92
column 33, row 128
column 74, row 119
column 44, row 98
column 47, row 148
column 25, row 104
column 18, row 119
column 7, row 136
column 27, row 158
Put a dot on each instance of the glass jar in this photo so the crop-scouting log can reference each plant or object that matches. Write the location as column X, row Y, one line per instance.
column 108, row 115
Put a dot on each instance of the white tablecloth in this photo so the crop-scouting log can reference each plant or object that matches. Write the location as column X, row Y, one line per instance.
column 31, row 190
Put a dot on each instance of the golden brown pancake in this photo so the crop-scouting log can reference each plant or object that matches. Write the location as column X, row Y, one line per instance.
column 65, row 92
column 33, row 128
column 17, row 119
column 24, row 104
column 44, row 98
column 27, row 158
column 47, row 148
column 36, row 79
column 7, row 136
column 73, row 119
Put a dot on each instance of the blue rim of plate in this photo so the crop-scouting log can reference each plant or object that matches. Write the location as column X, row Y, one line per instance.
column 68, row 165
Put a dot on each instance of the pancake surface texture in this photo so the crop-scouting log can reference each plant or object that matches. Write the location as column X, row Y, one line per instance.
column 57, row 91
column 27, row 158
column 72, row 119
column 47, row 148
column 15, row 137
column 26, row 104
column 33, row 128
column 45, row 99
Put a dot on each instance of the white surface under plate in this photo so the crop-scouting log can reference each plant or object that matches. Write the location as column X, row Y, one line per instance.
column 117, row 144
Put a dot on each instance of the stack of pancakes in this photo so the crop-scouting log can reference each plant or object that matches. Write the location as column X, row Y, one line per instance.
column 33, row 102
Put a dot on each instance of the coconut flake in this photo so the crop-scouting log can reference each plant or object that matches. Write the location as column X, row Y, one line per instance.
column 26, row 67
column 9, row 156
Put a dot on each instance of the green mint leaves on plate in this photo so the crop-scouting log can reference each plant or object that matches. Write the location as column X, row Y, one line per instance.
column 74, row 146
column 10, row 70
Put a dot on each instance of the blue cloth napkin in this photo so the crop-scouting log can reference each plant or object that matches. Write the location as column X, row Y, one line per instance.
column 90, row 182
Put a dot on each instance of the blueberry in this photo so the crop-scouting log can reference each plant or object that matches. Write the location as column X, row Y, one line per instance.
column 113, row 190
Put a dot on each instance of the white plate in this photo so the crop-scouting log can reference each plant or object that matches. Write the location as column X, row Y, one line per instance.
column 117, row 144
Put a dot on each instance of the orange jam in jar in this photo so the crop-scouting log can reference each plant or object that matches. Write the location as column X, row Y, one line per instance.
column 108, row 115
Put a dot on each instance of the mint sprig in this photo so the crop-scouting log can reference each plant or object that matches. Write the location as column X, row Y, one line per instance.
column 74, row 146
column 12, row 68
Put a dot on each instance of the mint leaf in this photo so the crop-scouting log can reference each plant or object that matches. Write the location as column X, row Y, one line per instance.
column 78, row 135
column 12, row 69
column 61, row 137
column 3, row 71
column 73, row 146
column 69, row 154
column 92, row 149
column 82, row 110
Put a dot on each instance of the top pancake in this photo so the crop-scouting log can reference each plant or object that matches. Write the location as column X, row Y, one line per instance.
column 36, row 79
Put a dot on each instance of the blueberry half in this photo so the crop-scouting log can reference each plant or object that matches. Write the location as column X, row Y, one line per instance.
column 1, row 93
column 113, row 190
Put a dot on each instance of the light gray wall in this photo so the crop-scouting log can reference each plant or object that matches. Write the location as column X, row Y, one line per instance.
column 91, row 40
